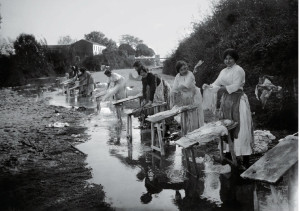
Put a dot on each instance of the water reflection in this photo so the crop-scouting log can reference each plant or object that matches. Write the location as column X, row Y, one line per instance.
column 135, row 178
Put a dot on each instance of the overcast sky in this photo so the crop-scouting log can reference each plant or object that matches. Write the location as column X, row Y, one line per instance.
column 160, row 23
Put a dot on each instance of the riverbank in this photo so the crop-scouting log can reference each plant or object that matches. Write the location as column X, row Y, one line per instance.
column 40, row 166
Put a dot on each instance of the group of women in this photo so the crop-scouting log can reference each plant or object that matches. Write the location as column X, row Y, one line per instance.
column 233, row 103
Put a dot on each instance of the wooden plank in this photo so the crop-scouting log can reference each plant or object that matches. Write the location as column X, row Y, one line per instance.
column 185, row 142
column 100, row 94
column 169, row 113
column 152, row 134
column 161, row 142
column 275, row 163
column 153, row 105
column 75, row 87
column 68, row 81
column 194, row 161
column 156, row 148
column 128, row 99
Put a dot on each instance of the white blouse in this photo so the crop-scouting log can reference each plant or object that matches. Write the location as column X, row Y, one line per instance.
column 233, row 78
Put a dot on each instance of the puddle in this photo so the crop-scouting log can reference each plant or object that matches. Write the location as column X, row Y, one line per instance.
column 135, row 178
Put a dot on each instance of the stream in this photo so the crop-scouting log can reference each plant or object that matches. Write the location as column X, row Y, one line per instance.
column 135, row 178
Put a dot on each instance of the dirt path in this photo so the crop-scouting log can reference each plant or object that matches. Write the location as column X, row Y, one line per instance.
column 39, row 166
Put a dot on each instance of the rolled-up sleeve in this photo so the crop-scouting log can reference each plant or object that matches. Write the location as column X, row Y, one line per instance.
column 238, row 81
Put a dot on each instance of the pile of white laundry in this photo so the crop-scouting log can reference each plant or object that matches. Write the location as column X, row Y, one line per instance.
column 262, row 139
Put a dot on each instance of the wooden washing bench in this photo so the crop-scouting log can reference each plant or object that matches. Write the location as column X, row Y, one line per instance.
column 195, row 138
column 118, row 104
column 277, row 162
column 158, row 122
column 157, row 107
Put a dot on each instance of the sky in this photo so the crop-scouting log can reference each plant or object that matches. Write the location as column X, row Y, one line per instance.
column 161, row 24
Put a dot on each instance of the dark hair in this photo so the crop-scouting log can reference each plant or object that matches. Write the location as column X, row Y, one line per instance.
column 83, row 69
column 146, row 198
column 179, row 64
column 107, row 72
column 137, row 64
column 142, row 68
column 231, row 52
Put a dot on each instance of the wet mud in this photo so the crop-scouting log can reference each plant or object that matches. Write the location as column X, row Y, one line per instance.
column 40, row 167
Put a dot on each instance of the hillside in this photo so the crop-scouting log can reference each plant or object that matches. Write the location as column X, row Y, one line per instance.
column 265, row 33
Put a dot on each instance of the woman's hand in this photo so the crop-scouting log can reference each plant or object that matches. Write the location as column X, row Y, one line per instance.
column 205, row 86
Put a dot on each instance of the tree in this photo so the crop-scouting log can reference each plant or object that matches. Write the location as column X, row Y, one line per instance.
column 127, row 49
column 144, row 50
column 31, row 56
column 26, row 45
column 130, row 40
column 65, row 40
column 112, row 45
column 99, row 37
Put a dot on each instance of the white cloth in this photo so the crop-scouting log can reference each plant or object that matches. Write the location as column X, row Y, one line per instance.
column 209, row 100
column 210, row 131
column 233, row 79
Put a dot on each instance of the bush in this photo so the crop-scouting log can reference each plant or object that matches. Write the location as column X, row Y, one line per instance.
column 61, row 60
column 29, row 61
column 94, row 63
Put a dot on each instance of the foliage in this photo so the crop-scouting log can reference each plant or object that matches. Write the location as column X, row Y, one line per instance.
column 116, row 59
column 144, row 50
column 130, row 40
column 31, row 56
column 65, row 40
column 127, row 49
column 265, row 33
column 94, row 63
column 29, row 61
column 99, row 37
column 61, row 60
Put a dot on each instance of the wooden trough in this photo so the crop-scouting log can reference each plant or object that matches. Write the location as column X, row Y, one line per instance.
column 277, row 162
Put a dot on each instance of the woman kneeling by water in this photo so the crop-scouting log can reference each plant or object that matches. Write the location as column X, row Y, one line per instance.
column 185, row 92
column 86, row 82
column 234, row 103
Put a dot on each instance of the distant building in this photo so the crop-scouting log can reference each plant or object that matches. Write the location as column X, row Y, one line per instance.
column 85, row 48
column 81, row 49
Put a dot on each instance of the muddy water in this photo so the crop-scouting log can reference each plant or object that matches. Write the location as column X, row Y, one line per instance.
column 135, row 178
